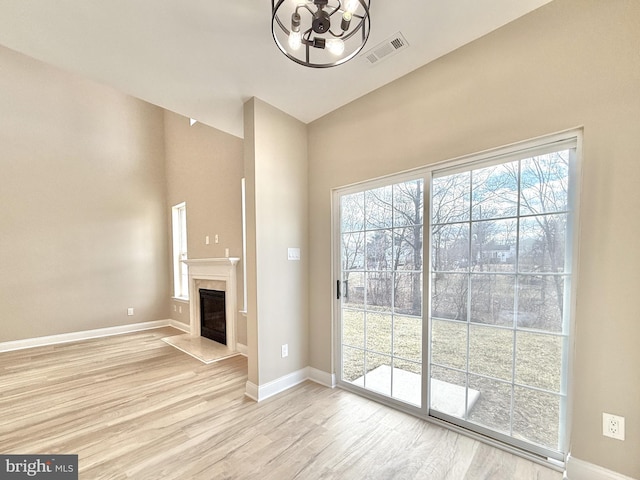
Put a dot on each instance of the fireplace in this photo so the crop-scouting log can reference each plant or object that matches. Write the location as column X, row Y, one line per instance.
column 213, row 321
column 213, row 274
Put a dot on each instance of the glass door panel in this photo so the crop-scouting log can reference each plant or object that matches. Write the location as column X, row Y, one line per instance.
column 499, row 310
column 381, row 261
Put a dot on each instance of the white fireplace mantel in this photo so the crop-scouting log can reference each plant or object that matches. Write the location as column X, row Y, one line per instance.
column 215, row 269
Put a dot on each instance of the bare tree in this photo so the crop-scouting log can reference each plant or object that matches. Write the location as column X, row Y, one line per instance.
column 394, row 242
column 475, row 218
column 544, row 201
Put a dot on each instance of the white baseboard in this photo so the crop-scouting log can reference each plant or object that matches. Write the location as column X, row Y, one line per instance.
column 279, row 385
column 87, row 334
column 242, row 349
column 580, row 470
column 323, row 378
column 180, row 326
column 251, row 391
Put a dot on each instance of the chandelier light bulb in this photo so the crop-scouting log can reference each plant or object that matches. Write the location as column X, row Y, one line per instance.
column 351, row 6
column 295, row 37
column 295, row 40
column 346, row 21
column 335, row 46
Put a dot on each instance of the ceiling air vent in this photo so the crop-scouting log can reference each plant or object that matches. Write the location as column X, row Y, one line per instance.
column 386, row 49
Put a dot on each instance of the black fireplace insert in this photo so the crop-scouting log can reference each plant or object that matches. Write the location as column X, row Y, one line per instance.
column 213, row 317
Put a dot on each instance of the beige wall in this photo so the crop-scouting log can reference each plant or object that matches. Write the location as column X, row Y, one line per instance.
column 82, row 189
column 205, row 167
column 276, row 173
column 570, row 63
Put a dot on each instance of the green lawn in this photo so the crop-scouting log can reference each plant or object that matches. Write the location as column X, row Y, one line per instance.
column 538, row 358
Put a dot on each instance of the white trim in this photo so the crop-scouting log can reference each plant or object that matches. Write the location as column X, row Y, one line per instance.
column 86, row 335
column 242, row 349
column 180, row 326
column 279, row 385
column 517, row 151
column 323, row 378
column 179, row 247
column 243, row 188
column 580, row 470
column 251, row 391
column 480, row 156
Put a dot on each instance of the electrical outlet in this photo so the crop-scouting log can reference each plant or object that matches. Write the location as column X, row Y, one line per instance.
column 130, row 311
column 180, row 309
column 613, row 426
column 285, row 350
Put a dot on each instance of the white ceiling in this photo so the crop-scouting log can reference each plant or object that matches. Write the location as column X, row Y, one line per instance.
column 205, row 58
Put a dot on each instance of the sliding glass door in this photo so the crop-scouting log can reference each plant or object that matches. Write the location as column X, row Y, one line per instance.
column 490, row 351
column 500, row 284
column 380, row 289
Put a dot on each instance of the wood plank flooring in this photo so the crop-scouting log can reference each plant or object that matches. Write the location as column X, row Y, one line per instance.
column 133, row 407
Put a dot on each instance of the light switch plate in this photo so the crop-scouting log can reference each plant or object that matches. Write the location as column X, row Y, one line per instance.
column 293, row 254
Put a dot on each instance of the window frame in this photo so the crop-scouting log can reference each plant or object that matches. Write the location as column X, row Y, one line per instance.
column 570, row 140
column 180, row 252
column 513, row 151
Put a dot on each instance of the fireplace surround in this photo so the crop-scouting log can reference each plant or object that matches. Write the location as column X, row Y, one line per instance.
column 213, row 274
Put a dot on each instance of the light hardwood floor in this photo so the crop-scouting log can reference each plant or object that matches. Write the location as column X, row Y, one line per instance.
column 132, row 406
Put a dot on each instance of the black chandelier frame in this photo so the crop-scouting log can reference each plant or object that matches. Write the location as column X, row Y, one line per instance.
column 313, row 41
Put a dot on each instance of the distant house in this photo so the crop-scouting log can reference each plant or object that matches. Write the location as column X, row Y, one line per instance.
column 495, row 254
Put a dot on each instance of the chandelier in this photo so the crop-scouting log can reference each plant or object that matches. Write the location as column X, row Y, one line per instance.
column 320, row 33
